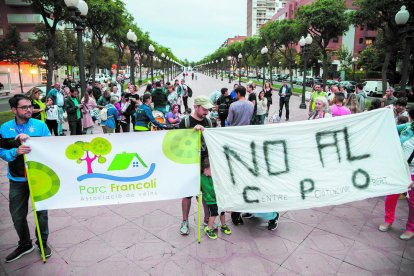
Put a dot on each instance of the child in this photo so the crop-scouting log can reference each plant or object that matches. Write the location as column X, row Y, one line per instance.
column 52, row 116
column 209, row 197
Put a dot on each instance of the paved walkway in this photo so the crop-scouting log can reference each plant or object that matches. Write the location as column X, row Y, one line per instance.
column 144, row 239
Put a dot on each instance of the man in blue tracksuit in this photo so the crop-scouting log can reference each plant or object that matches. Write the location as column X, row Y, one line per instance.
column 13, row 134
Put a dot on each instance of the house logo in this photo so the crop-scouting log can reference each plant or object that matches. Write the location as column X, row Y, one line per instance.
column 131, row 165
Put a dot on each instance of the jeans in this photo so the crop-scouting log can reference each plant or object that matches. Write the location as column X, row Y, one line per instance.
column 19, row 196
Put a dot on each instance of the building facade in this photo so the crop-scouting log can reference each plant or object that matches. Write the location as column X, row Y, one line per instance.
column 261, row 11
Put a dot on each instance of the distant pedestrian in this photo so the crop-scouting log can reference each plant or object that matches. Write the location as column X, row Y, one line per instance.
column 192, row 76
column 337, row 109
column 73, row 108
column 284, row 96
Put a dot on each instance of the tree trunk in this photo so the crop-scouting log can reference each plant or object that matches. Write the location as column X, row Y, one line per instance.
column 20, row 76
column 325, row 67
column 384, row 69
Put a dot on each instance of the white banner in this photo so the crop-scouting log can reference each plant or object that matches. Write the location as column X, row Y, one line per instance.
column 91, row 170
column 307, row 164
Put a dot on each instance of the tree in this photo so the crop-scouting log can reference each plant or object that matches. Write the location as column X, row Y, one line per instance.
column 52, row 12
column 380, row 14
column 98, row 147
column 268, row 36
column 325, row 20
column 13, row 49
column 344, row 57
column 102, row 17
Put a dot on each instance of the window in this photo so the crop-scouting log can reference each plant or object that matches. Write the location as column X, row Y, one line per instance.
column 369, row 41
column 361, row 40
column 361, row 27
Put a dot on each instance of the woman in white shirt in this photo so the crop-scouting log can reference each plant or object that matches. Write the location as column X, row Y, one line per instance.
column 261, row 108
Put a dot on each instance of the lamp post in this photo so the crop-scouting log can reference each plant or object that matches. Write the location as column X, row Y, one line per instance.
column 354, row 60
column 162, row 66
column 264, row 52
column 240, row 57
column 132, row 38
column 151, row 51
column 403, row 19
column 216, row 69
column 229, row 59
column 79, row 10
column 222, row 59
column 44, row 59
column 303, row 42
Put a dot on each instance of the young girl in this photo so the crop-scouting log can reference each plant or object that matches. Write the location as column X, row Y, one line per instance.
column 52, row 116
column 209, row 197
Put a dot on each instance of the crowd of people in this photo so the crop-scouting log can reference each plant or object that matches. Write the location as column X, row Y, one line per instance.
column 116, row 108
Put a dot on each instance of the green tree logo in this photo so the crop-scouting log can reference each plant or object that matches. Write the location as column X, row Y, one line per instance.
column 97, row 147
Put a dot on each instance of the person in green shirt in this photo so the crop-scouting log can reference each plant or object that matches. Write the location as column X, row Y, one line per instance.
column 209, row 197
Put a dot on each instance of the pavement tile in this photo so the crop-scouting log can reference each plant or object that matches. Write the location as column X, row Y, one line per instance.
column 406, row 268
column 368, row 204
column 373, row 259
column 347, row 269
column 284, row 272
column 376, row 219
column 149, row 252
column 306, row 261
column 84, row 213
column 103, row 223
column 131, row 211
column 113, row 265
column 53, row 266
column 87, row 253
column 171, row 234
column 8, row 238
column 309, row 217
column 182, row 264
column 409, row 250
column 26, row 261
column 69, row 237
column 388, row 241
column 350, row 212
column 341, row 226
column 292, row 230
column 156, row 221
column 328, row 243
column 124, row 236
column 247, row 265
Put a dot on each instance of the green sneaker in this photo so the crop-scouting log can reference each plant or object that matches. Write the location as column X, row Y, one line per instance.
column 210, row 233
column 225, row 229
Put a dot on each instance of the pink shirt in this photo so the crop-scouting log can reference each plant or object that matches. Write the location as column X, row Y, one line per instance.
column 339, row 110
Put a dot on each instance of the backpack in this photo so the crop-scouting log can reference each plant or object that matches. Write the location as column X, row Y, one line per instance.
column 223, row 108
column 187, row 121
column 189, row 91
column 103, row 114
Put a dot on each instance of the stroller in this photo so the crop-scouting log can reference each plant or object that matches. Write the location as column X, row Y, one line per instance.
column 159, row 117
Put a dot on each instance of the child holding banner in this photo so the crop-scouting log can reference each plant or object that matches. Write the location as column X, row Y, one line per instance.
column 209, row 197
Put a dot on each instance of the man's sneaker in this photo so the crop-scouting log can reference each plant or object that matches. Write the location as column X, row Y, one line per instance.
column 273, row 223
column 184, row 230
column 46, row 248
column 225, row 229
column 19, row 252
column 210, row 233
column 236, row 218
column 247, row 215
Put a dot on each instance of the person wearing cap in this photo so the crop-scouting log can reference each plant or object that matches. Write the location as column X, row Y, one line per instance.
column 144, row 117
column 197, row 120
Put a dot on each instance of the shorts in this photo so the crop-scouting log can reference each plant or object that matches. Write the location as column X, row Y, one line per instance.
column 213, row 210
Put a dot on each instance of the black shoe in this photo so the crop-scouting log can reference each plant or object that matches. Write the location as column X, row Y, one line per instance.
column 273, row 223
column 46, row 248
column 236, row 219
column 19, row 252
column 247, row 215
column 287, row 119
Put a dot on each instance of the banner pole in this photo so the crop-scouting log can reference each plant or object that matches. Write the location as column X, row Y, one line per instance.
column 199, row 194
column 39, row 236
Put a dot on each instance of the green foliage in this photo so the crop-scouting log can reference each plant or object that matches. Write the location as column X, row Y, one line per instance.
column 345, row 58
column 325, row 20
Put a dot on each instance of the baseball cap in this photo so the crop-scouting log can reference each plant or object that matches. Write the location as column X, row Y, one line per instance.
column 203, row 101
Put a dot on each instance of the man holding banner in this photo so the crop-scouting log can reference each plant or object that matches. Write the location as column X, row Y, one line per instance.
column 198, row 121
column 14, row 133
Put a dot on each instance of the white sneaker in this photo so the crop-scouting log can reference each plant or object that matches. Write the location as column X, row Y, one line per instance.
column 184, row 230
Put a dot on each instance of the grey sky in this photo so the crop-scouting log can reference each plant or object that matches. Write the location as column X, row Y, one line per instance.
column 192, row 29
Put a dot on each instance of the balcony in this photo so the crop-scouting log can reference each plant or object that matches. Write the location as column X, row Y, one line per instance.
column 24, row 18
column 17, row 3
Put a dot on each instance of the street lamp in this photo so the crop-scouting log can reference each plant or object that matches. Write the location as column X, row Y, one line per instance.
column 151, row 51
column 79, row 10
column 264, row 52
column 240, row 57
column 229, row 59
column 354, row 60
column 303, row 42
column 222, row 59
column 162, row 65
column 216, row 69
column 403, row 19
column 132, row 38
